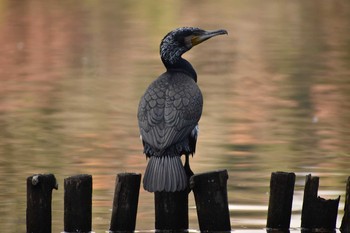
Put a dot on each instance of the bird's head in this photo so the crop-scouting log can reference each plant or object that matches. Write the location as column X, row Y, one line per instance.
column 180, row 40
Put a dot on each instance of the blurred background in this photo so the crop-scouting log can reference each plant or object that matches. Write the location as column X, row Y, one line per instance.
column 276, row 98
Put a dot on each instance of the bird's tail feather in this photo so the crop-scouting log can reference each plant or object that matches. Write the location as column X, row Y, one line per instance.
column 165, row 173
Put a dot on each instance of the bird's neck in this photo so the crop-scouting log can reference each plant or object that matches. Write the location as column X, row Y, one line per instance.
column 181, row 65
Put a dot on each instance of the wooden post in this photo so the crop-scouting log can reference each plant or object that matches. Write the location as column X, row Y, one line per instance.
column 39, row 197
column 345, row 224
column 210, row 192
column 77, row 203
column 126, row 197
column 317, row 213
column 171, row 211
column 281, row 199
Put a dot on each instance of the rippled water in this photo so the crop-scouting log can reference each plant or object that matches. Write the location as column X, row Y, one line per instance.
column 276, row 92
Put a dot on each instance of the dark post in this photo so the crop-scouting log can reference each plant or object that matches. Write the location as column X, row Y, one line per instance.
column 345, row 224
column 39, row 197
column 317, row 213
column 270, row 230
column 171, row 211
column 281, row 199
column 77, row 203
column 210, row 193
column 126, row 197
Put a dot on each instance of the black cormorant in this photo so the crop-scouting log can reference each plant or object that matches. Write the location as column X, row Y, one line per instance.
column 169, row 112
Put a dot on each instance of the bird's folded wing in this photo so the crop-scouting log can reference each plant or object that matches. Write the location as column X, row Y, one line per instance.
column 169, row 111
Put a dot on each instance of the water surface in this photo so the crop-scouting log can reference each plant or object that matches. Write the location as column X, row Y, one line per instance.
column 276, row 98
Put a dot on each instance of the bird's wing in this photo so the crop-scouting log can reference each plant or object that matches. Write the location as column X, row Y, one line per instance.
column 169, row 110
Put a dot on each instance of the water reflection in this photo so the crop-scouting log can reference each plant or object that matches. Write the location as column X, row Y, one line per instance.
column 276, row 95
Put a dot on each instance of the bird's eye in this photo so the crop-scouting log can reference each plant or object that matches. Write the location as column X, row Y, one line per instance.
column 188, row 41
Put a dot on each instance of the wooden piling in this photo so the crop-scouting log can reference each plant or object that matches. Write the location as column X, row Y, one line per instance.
column 345, row 224
column 126, row 196
column 171, row 211
column 281, row 199
column 317, row 213
column 77, row 203
column 39, row 198
column 210, row 192
column 271, row 230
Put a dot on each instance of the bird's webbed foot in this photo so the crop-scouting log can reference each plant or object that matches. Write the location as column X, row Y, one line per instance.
column 188, row 171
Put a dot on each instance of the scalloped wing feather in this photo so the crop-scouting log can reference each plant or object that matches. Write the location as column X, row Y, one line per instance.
column 169, row 110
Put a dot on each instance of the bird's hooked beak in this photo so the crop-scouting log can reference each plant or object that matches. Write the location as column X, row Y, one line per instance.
column 197, row 39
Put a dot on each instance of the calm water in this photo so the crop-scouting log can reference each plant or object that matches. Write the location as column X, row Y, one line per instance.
column 276, row 92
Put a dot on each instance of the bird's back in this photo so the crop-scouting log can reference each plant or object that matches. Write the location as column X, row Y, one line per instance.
column 168, row 112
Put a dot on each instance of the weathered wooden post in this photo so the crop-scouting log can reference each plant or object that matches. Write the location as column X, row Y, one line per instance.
column 171, row 211
column 281, row 199
column 345, row 224
column 317, row 213
column 126, row 197
column 210, row 192
column 39, row 198
column 78, row 203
